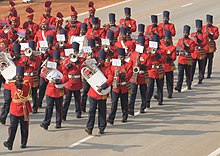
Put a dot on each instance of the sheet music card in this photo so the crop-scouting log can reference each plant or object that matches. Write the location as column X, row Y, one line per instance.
column 153, row 44
column 51, row 64
column 61, row 37
column 139, row 48
column 68, row 51
column 116, row 62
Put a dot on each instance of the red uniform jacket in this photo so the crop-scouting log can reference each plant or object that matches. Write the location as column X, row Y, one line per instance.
column 88, row 21
column 185, row 59
column 51, row 19
column 115, row 29
column 54, row 92
column 146, row 43
column 92, row 34
column 18, row 105
column 74, row 74
column 12, row 34
column 157, row 71
column 200, row 48
column 73, row 31
column 143, row 59
column 212, row 30
column 106, row 70
column 128, row 23
column 122, row 83
column 42, row 35
column 170, row 51
column 150, row 31
column 33, row 28
column 31, row 70
column 129, row 45
column 170, row 27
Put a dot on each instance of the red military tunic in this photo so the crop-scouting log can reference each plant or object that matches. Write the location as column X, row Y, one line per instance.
column 54, row 92
column 129, row 45
column 74, row 74
column 33, row 28
column 128, row 23
column 20, row 100
column 41, row 35
column 200, row 48
column 12, row 34
column 182, row 59
column 92, row 33
column 122, row 83
column 157, row 71
column 212, row 30
column 144, row 58
column 115, row 29
column 170, row 51
column 170, row 27
column 106, row 70
column 51, row 20
column 88, row 21
column 73, row 31
column 151, row 31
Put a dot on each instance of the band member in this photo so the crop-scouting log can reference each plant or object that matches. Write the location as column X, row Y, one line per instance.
column 111, row 26
column 128, row 22
column 73, row 26
column 86, row 85
column 156, row 73
column 54, row 95
column 59, row 22
column 141, row 30
column 123, row 42
column 73, row 86
column 95, row 32
column 88, row 20
column 16, row 55
column 122, row 74
column 20, row 109
column 32, row 63
column 166, row 25
column 169, row 65
column 12, row 34
column 43, row 81
column 32, row 26
column 99, row 100
column 140, row 65
column 12, row 12
column 185, row 48
column 46, row 16
column 213, row 34
column 154, row 28
column 200, row 40
column 83, row 29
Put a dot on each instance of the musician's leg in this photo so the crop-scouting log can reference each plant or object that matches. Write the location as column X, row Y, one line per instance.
column 66, row 105
column 49, row 110
column 24, row 125
column 193, row 68
column 6, row 106
column 205, row 63
column 77, row 97
column 169, row 83
column 85, row 91
column 132, row 98
column 92, row 112
column 34, row 99
column 114, row 99
column 201, row 71
column 124, row 106
column 210, row 58
column 143, row 91
column 58, row 104
column 160, row 83
column 102, row 115
column 188, row 69
column 180, row 77
column 150, row 91
column 42, row 90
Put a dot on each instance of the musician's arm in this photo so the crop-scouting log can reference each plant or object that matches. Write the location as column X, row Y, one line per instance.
column 216, row 34
column 109, row 75
column 133, row 26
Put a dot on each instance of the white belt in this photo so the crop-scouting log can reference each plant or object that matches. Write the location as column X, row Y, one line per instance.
column 74, row 76
column 28, row 74
column 155, row 66
column 183, row 53
column 198, row 48
column 122, row 83
column 141, row 72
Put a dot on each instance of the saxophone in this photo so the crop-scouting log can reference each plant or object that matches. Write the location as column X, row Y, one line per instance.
column 136, row 69
column 115, row 79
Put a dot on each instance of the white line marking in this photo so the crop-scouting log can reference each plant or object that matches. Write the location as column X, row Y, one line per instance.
column 81, row 141
column 105, row 7
column 215, row 153
column 186, row 5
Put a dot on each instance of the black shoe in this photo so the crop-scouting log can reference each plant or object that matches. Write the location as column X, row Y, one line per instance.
column 160, row 103
column 156, row 97
column 58, row 126
column 23, row 146
column 189, row 88
column 45, row 127
column 6, row 144
column 89, row 131
column 34, row 111
column 208, row 77
column 130, row 112
column 84, row 110
column 200, row 82
column 78, row 115
column 101, row 132
column 111, row 122
column 2, row 121
column 124, row 120
column 142, row 111
column 170, row 96
column 64, row 118
column 179, row 90
column 40, row 106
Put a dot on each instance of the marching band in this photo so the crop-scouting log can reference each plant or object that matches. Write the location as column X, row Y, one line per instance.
column 60, row 58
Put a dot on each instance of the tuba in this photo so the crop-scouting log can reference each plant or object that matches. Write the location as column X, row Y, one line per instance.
column 93, row 75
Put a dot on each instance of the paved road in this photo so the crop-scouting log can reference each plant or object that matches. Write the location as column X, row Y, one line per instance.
column 187, row 125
